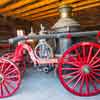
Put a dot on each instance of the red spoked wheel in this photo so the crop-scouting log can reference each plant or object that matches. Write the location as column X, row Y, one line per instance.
column 9, row 78
column 21, row 65
column 79, row 69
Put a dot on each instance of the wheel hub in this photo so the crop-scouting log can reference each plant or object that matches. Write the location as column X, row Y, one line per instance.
column 86, row 69
column 1, row 78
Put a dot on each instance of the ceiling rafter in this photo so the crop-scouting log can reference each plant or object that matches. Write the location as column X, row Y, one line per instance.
column 32, row 6
column 44, row 13
column 45, row 16
column 15, row 5
column 3, row 2
column 79, row 4
column 38, row 10
column 87, row 6
column 84, row 2
column 76, row 9
column 51, row 7
column 44, row 8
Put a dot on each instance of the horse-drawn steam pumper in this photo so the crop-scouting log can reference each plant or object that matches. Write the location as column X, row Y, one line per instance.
column 78, row 67
column 78, row 64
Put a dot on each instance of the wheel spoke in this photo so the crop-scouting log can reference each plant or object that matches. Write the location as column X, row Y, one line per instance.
column 87, row 85
column 96, row 70
column 94, row 56
column 84, row 53
column 71, row 63
column 10, row 72
column 95, row 61
column 93, row 83
column 1, row 88
column 90, row 53
column 7, row 69
column 70, row 68
column 70, row 74
column 6, row 88
column 6, row 82
column 12, row 80
column 97, row 80
column 78, row 54
column 70, row 80
column 81, row 85
column 77, row 82
column 9, row 77
column 96, row 73
column 96, row 66
column 72, row 58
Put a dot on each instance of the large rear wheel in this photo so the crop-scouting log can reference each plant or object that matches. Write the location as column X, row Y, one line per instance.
column 79, row 69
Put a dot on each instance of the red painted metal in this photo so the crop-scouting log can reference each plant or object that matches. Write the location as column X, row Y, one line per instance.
column 69, row 36
column 9, row 78
column 79, row 69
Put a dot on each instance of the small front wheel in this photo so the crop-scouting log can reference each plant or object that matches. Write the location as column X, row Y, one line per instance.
column 10, row 78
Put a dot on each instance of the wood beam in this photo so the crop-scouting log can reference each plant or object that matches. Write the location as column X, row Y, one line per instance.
column 39, row 10
column 84, row 2
column 55, row 6
column 32, row 6
column 76, row 9
column 42, row 17
column 20, row 11
column 45, row 8
column 44, row 13
column 15, row 5
column 70, row 1
column 87, row 6
column 73, row 5
column 2, row 2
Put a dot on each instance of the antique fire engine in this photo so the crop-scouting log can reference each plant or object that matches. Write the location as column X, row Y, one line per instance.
column 78, row 64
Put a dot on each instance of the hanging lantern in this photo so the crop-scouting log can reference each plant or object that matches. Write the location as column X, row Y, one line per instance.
column 67, row 24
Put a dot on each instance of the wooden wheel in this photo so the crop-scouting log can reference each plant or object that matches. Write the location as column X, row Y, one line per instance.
column 9, row 78
column 20, row 65
column 79, row 69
